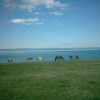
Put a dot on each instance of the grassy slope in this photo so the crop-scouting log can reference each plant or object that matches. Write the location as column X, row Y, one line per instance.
column 72, row 80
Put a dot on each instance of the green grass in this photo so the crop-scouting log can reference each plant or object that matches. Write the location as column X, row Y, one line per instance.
column 70, row 80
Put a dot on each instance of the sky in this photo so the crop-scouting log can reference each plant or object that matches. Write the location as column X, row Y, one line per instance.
column 49, row 23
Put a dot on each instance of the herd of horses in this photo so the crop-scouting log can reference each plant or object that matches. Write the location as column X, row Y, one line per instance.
column 40, row 59
column 60, row 58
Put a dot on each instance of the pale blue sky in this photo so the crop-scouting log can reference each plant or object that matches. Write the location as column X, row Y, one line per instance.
column 49, row 23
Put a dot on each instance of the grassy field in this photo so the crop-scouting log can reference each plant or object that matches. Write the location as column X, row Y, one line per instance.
column 69, row 80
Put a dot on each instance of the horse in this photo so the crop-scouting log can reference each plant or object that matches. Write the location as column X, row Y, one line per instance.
column 10, row 60
column 73, row 57
column 59, row 58
column 40, row 59
column 29, row 59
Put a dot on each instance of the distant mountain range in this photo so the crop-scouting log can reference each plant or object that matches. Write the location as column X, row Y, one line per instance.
column 87, row 48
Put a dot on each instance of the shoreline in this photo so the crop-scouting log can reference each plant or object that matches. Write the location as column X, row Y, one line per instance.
column 66, row 61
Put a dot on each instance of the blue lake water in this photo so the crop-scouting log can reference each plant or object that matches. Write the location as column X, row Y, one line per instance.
column 48, row 55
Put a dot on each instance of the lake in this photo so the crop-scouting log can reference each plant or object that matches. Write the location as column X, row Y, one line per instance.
column 48, row 54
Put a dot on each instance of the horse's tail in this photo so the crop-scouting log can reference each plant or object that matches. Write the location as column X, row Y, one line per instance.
column 70, row 57
column 62, row 58
column 55, row 59
column 77, row 57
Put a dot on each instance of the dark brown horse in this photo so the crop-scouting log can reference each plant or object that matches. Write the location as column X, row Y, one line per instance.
column 59, row 58
column 29, row 59
column 73, row 57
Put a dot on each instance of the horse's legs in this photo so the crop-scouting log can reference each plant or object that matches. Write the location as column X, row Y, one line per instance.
column 55, row 59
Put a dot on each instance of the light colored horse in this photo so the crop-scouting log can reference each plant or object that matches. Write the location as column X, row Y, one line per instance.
column 59, row 58
column 73, row 57
column 29, row 59
column 40, row 59
column 10, row 60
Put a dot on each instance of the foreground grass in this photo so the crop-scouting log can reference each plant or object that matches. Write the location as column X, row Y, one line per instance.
column 72, row 80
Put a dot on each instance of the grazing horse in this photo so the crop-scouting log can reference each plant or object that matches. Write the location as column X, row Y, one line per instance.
column 59, row 58
column 29, row 59
column 10, row 60
column 73, row 57
column 40, row 59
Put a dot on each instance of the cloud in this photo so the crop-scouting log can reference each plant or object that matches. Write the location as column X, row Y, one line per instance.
column 26, row 21
column 39, row 13
column 56, row 13
column 33, row 4
column 52, row 13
